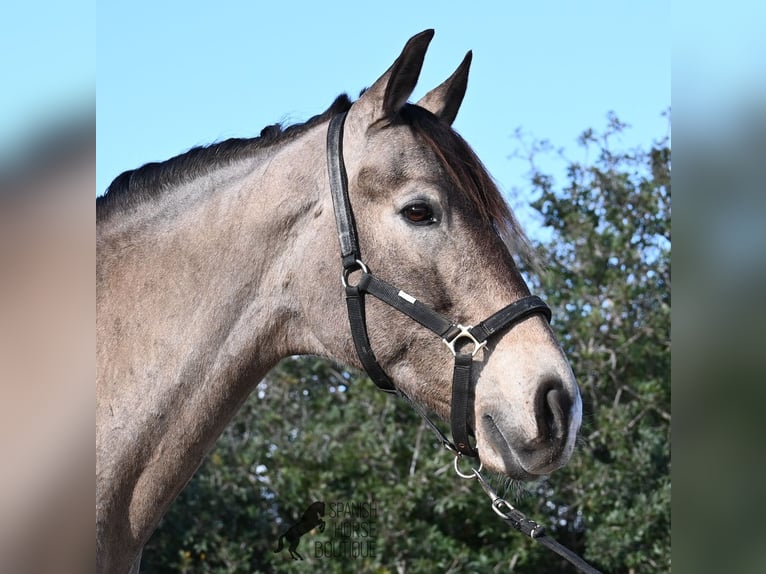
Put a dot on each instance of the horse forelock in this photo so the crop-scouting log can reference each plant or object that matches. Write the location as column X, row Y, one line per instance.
column 469, row 175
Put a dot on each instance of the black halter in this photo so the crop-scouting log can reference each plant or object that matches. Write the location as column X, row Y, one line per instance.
column 463, row 342
column 456, row 337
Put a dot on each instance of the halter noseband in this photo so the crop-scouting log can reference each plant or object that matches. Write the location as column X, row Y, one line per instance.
column 455, row 336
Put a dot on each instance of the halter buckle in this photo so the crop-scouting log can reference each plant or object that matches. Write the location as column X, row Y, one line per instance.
column 465, row 333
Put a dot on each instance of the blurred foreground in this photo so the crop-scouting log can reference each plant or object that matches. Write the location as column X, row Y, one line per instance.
column 47, row 340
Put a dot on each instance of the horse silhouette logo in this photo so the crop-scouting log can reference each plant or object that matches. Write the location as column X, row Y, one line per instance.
column 312, row 517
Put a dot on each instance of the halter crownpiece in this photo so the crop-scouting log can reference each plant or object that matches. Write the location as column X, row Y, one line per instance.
column 463, row 341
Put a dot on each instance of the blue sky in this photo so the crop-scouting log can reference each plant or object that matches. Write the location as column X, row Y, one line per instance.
column 172, row 75
column 47, row 68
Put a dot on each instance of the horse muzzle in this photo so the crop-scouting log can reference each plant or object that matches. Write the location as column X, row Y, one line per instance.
column 528, row 443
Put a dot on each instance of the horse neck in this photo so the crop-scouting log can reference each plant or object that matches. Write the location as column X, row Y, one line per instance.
column 195, row 304
column 187, row 269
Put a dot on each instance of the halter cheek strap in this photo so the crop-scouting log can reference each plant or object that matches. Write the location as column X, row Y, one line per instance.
column 463, row 342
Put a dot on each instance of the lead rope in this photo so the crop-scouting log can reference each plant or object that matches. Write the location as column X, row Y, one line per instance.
column 518, row 520
column 500, row 506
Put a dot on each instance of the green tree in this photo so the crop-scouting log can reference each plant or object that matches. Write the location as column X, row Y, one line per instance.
column 314, row 431
column 608, row 278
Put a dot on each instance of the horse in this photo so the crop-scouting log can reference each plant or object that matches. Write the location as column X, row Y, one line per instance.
column 311, row 518
column 214, row 265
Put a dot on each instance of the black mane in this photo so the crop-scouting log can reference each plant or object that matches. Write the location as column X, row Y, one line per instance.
column 137, row 185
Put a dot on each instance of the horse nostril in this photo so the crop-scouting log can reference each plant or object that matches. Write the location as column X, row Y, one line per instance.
column 552, row 409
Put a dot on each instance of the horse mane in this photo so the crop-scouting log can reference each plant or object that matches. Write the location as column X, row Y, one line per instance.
column 135, row 186
column 459, row 161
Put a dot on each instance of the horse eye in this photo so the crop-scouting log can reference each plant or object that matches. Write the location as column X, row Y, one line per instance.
column 419, row 213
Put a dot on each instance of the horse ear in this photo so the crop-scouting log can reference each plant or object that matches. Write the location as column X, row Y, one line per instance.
column 390, row 92
column 444, row 100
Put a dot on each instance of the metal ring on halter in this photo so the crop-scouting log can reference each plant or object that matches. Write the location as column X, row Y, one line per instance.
column 465, row 333
column 360, row 266
column 474, row 471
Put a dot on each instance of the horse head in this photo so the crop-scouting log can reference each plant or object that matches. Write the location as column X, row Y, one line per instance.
column 430, row 221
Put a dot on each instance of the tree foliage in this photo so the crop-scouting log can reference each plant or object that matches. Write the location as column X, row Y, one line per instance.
column 608, row 277
column 314, row 431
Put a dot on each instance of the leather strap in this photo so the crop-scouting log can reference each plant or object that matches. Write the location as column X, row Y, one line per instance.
column 344, row 216
column 358, row 322
column 462, row 404
column 407, row 304
column 509, row 315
